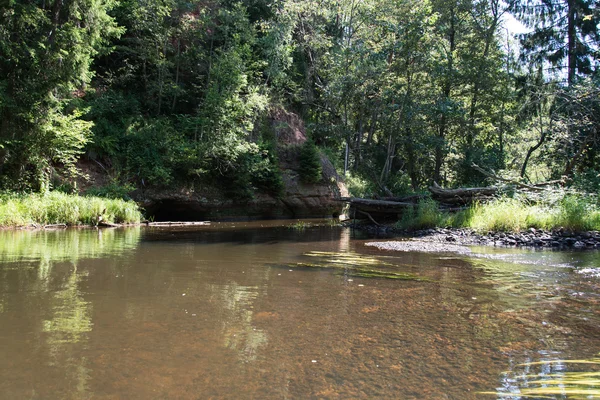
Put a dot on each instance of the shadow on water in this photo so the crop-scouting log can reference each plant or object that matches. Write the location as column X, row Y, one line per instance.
column 256, row 232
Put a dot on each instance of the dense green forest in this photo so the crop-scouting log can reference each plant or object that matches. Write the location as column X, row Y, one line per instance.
column 398, row 93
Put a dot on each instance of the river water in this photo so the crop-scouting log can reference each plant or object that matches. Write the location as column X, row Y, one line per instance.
column 263, row 310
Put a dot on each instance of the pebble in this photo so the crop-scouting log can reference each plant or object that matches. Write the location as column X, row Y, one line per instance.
column 532, row 237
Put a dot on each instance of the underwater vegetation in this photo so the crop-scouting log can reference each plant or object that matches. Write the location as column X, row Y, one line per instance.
column 554, row 381
column 353, row 265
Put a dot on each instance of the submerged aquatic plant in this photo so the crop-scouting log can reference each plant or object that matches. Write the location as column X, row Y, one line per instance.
column 354, row 265
column 555, row 381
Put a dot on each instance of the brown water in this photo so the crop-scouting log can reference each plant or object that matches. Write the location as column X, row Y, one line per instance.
column 223, row 312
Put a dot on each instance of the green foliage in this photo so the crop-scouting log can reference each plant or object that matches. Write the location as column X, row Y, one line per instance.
column 264, row 170
column 310, row 163
column 425, row 214
column 587, row 181
column 47, row 49
column 165, row 91
column 113, row 190
column 358, row 186
column 572, row 213
column 507, row 215
column 60, row 208
column 152, row 150
column 112, row 113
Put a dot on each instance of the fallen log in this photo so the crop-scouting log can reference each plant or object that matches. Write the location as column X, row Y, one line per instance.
column 55, row 226
column 438, row 192
column 178, row 223
column 106, row 224
column 464, row 200
column 381, row 206
column 413, row 198
column 370, row 217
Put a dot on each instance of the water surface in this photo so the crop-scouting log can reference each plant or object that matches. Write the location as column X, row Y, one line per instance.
column 228, row 311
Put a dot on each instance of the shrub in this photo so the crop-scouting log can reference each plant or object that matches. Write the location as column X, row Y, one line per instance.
column 310, row 163
column 113, row 190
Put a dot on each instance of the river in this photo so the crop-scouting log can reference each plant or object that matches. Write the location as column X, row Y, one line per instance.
column 265, row 310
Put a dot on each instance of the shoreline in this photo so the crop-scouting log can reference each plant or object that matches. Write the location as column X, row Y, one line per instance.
column 558, row 239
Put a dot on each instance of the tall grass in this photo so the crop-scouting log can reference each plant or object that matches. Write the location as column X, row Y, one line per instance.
column 60, row 208
column 426, row 214
column 508, row 215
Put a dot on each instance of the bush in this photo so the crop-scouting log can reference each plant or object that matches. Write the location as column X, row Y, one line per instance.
column 113, row 190
column 264, row 170
column 310, row 163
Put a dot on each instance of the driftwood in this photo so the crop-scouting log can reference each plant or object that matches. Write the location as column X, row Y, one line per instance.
column 382, row 206
column 178, row 223
column 406, row 199
column 55, row 226
column 438, row 192
column 447, row 199
column 369, row 216
column 105, row 224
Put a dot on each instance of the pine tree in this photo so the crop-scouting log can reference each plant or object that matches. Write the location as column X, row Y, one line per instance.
column 561, row 31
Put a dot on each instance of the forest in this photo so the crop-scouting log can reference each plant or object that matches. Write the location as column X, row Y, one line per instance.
column 399, row 94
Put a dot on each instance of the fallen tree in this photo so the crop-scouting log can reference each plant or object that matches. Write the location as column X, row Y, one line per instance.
column 446, row 199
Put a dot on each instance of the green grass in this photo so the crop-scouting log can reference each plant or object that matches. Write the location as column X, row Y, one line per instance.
column 508, row 215
column 61, row 208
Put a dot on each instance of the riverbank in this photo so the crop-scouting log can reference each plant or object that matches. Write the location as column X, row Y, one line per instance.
column 569, row 222
column 533, row 238
column 55, row 208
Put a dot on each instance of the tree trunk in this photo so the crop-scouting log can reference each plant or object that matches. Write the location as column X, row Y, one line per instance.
column 571, row 39
column 536, row 146
column 439, row 147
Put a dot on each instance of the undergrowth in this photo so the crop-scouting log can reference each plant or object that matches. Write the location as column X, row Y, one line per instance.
column 61, row 208
column 572, row 213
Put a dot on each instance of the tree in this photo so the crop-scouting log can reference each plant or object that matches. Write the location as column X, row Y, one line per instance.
column 560, row 30
column 45, row 54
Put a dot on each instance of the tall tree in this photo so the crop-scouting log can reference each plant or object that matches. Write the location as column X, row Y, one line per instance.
column 46, row 49
column 561, row 30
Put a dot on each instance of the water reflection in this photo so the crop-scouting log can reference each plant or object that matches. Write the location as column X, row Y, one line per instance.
column 43, row 299
column 239, row 332
column 210, row 313
column 61, row 245
column 551, row 377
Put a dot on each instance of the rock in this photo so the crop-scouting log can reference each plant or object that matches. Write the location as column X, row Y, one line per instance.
column 570, row 241
column 578, row 245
